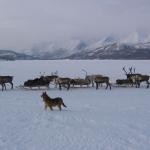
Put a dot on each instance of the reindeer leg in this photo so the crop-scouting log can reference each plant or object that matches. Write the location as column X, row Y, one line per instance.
column 11, row 85
column 96, row 86
column 4, row 85
column 139, row 85
column 136, row 84
column 48, row 86
column 92, row 84
column 107, row 85
column 147, row 84
column 60, row 87
column 56, row 84
column 68, row 87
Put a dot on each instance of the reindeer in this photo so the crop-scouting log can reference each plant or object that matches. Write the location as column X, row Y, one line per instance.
column 91, row 78
column 103, row 79
column 63, row 82
column 79, row 81
column 123, row 81
column 51, row 78
column 131, row 76
column 6, row 79
column 142, row 78
column 136, row 78
column 37, row 82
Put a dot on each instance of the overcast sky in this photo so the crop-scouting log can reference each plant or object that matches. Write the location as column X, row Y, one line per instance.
column 24, row 23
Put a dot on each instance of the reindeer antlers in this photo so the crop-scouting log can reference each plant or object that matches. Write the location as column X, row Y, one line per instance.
column 84, row 71
column 131, row 70
column 124, row 70
column 54, row 73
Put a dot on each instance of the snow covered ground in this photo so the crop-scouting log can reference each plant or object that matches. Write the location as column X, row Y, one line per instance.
column 94, row 120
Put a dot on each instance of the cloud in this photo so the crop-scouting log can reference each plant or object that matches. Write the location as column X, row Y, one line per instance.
column 24, row 23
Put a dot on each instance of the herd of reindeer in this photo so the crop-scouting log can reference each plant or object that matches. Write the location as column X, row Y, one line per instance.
column 133, row 79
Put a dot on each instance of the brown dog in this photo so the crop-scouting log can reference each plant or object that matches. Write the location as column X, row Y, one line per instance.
column 52, row 102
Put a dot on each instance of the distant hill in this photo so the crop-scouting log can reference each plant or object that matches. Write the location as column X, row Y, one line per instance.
column 12, row 55
column 115, row 51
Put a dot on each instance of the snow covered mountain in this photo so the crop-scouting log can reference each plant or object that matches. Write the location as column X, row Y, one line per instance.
column 12, row 55
column 57, row 50
column 133, row 46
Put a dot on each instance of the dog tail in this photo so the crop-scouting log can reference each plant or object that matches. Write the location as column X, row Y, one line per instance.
column 64, row 104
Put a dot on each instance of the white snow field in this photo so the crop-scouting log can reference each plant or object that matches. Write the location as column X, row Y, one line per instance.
column 93, row 120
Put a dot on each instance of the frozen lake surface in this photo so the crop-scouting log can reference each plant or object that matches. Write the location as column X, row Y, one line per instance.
column 93, row 120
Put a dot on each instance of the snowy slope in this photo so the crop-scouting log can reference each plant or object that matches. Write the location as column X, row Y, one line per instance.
column 103, row 42
column 132, row 39
column 94, row 120
column 147, row 39
column 58, row 49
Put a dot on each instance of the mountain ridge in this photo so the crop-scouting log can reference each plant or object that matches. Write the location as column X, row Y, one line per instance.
column 132, row 46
